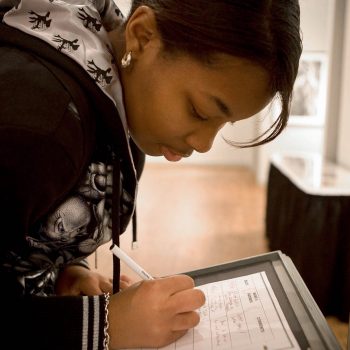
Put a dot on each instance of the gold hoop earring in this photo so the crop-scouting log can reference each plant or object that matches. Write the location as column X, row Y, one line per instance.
column 126, row 60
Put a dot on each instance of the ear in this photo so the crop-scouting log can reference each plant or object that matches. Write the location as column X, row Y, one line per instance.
column 141, row 31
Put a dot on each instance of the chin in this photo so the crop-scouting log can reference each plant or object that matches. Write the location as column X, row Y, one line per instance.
column 154, row 154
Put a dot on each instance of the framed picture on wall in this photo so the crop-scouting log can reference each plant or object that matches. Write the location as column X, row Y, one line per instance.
column 309, row 94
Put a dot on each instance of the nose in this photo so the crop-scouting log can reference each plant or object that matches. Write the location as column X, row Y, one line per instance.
column 202, row 140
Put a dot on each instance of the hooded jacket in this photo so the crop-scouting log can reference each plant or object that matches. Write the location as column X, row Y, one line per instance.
column 68, row 170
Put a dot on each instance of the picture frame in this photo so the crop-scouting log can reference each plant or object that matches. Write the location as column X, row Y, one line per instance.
column 309, row 93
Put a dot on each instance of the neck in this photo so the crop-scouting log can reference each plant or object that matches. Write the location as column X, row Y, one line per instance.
column 117, row 39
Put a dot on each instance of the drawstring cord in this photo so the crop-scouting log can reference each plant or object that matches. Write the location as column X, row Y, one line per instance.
column 116, row 220
column 134, row 230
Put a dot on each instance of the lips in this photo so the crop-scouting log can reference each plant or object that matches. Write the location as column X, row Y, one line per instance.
column 171, row 155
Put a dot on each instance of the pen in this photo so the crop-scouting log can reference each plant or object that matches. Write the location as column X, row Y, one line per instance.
column 131, row 263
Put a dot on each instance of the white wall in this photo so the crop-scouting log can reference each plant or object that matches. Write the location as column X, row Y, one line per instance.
column 124, row 5
column 343, row 146
column 315, row 23
column 335, row 77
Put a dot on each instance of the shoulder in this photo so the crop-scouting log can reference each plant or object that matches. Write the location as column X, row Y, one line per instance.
column 35, row 98
column 29, row 90
column 46, row 136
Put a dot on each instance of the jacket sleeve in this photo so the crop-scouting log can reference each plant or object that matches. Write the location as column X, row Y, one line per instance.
column 55, row 323
column 43, row 153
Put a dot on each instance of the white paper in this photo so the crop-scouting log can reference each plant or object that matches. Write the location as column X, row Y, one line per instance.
column 240, row 313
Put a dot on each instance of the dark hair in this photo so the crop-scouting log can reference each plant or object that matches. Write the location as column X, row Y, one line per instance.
column 266, row 32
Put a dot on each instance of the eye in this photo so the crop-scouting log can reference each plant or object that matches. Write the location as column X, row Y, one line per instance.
column 197, row 115
column 59, row 227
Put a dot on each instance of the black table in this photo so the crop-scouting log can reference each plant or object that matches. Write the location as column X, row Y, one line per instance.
column 308, row 218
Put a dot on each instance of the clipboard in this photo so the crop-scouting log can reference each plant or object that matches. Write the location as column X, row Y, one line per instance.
column 304, row 317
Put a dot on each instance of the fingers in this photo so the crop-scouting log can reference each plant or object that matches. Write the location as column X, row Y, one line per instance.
column 187, row 300
column 177, row 283
column 95, row 284
column 91, row 290
column 185, row 321
column 123, row 285
column 181, row 295
column 125, row 282
column 68, row 292
column 175, row 335
column 126, row 279
column 106, row 286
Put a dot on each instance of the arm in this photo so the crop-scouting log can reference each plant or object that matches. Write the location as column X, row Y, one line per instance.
column 40, row 161
column 152, row 313
column 34, row 321
column 79, row 280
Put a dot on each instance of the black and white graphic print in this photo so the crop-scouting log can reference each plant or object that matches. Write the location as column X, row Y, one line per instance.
column 83, row 220
column 118, row 13
column 89, row 22
column 80, row 32
column 40, row 22
column 65, row 44
column 101, row 76
column 74, row 230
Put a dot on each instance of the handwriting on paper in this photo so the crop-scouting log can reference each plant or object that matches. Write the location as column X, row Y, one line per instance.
column 241, row 313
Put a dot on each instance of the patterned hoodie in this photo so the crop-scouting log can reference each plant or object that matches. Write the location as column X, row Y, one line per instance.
column 65, row 128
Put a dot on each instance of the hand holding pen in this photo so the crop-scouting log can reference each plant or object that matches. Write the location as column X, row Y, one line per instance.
column 155, row 312
column 131, row 263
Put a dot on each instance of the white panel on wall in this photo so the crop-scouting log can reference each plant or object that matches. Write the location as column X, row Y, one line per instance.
column 123, row 5
column 314, row 22
column 344, row 125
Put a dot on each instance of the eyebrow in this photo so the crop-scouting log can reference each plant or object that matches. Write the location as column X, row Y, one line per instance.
column 222, row 106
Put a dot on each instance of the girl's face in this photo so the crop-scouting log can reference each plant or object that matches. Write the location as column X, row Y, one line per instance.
column 177, row 105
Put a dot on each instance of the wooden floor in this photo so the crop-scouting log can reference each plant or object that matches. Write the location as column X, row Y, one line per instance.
column 190, row 217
